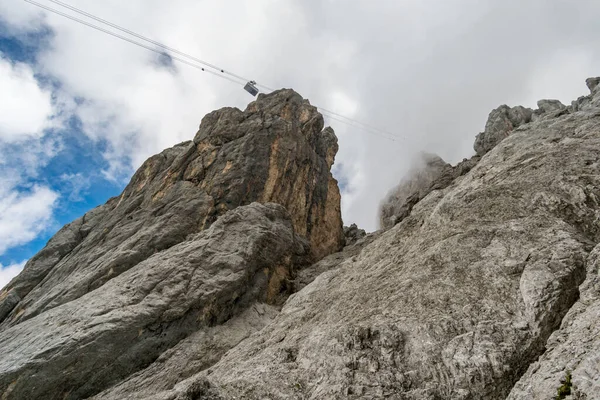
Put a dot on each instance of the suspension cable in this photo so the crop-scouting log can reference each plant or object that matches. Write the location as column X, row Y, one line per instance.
column 214, row 70
column 130, row 40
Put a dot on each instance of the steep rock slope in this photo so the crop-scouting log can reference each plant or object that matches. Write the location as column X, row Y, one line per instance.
column 84, row 345
column 573, row 350
column 115, row 289
column 455, row 301
column 275, row 151
column 203, row 348
column 483, row 286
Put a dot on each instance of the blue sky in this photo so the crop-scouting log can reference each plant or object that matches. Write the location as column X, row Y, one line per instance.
column 74, row 171
column 80, row 110
column 61, row 159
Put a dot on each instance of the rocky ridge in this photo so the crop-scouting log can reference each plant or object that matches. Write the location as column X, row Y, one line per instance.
column 182, row 250
column 483, row 283
column 459, row 297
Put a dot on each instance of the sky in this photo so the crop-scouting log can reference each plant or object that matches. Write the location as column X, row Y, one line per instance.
column 80, row 110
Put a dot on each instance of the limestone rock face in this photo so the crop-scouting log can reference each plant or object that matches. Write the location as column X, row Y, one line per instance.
column 276, row 151
column 572, row 350
column 84, row 346
column 194, row 284
column 456, row 300
column 355, row 245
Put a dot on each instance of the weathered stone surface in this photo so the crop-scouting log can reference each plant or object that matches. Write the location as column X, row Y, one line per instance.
column 308, row 274
column 63, row 307
column 485, row 284
column 501, row 122
column 82, row 347
column 573, row 349
column 38, row 267
column 195, row 353
column 548, row 106
column 453, row 302
column 275, row 151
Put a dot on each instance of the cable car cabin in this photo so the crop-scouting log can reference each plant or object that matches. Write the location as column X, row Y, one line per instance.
column 251, row 88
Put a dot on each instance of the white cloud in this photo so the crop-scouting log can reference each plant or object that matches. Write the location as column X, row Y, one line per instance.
column 26, row 108
column 429, row 71
column 9, row 272
column 24, row 214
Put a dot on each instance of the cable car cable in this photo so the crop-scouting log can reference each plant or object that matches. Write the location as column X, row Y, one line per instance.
column 220, row 72
column 386, row 136
column 364, row 125
column 139, row 36
column 130, row 41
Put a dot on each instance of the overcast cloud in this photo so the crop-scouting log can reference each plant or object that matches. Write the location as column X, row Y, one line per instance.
column 429, row 71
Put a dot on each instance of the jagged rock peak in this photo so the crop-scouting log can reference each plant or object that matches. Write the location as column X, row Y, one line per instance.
column 276, row 152
column 286, row 157
column 592, row 83
column 282, row 105
column 500, row 123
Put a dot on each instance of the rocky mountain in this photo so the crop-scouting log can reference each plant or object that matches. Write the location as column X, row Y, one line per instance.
column 223, row 271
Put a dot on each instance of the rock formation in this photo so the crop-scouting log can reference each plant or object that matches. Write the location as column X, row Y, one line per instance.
column 353, row 234
column 275, row 151
column 573, row 350
column 135, row 276
column 456, row 300
column 500, row 124
column 198, row 282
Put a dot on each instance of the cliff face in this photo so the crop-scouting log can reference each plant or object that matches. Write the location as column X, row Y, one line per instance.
column 127, row 281
column 457, row 299
column 274, row 151
column 483, row 284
